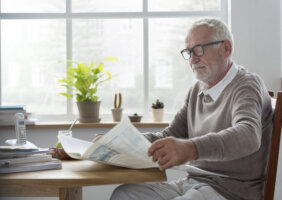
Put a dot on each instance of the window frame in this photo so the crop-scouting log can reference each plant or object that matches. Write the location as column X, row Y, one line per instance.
column 145, row 15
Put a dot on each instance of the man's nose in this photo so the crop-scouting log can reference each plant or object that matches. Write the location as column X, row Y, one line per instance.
column 193, row 59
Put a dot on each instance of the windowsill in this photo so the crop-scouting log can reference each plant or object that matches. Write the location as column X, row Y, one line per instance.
column 66, row 125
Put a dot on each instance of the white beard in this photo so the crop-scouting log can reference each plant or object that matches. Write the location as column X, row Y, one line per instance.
column 205, row 76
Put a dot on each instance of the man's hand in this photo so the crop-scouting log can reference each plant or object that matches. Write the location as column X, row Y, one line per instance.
column 172, row 151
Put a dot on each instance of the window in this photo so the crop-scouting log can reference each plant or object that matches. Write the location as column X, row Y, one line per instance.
column 38, row 36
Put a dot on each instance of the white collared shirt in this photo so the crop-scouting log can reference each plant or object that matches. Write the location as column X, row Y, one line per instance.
column 216, row 90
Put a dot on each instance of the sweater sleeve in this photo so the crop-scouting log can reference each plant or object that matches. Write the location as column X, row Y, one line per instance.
column 177, row 128
column 248, row 102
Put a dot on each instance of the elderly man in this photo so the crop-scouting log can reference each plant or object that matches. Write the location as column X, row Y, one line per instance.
column 223, row 129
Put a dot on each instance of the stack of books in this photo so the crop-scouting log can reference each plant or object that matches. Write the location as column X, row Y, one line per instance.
column 22, row 159
column 7, row 114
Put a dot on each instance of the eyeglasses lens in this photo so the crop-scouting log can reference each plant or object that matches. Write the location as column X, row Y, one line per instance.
column 186, row 54
column 198, row 51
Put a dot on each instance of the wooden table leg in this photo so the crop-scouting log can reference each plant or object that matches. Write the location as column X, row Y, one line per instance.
column 73, row 193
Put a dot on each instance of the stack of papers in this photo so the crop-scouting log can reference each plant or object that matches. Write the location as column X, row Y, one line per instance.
column 22, row 159
column 7, row 114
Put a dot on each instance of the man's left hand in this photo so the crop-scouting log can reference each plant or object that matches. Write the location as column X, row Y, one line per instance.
column 172, row 151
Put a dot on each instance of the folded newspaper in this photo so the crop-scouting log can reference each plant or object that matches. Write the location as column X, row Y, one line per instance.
column 122, row 146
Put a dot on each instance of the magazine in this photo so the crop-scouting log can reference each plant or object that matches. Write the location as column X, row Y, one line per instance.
column 25, row 159
column 122, row 146
column 19, row 151
column 33, row 166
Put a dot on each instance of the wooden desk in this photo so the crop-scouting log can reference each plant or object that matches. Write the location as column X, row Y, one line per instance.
column 67, row 183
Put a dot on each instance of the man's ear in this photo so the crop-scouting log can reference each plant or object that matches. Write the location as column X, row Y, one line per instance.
column 227, row 48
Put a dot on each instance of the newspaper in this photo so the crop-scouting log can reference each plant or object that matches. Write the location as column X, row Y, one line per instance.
column 195, row 171
column 122, row 146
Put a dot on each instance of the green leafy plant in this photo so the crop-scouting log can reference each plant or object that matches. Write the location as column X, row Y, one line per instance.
column 85, row 78
column 158, row 104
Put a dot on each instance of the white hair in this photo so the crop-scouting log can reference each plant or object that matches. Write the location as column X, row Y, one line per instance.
column 219, row 29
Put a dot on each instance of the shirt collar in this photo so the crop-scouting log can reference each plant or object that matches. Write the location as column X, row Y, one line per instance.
column 217, row 89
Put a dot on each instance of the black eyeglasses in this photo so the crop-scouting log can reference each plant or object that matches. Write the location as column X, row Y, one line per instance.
column 198, row 50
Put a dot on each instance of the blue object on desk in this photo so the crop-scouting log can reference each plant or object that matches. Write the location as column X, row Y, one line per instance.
column 12, row 107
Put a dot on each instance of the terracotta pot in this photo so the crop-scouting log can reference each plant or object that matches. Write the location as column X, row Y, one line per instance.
column 88, row 111
column 158, row 114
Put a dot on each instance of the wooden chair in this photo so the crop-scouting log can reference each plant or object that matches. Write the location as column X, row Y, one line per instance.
column 274, row 150
column 271, row 93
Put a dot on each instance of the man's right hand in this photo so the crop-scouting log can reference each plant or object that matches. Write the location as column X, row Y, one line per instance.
column 170, row 151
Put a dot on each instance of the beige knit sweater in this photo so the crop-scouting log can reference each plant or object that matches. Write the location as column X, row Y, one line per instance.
column 232, row 135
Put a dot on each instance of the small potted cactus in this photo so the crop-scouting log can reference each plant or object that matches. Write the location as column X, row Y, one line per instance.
column 135, row 118
column 117, row 110
column 158, row 111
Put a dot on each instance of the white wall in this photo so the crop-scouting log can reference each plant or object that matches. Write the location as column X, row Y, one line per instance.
column 256, row 28
column 256, row 25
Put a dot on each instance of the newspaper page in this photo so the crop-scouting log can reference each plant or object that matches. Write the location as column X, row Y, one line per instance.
column 122, row 146
column 192, row 170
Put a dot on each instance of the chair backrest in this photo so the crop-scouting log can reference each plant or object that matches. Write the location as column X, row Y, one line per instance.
column 271, row 93
column 274, row 150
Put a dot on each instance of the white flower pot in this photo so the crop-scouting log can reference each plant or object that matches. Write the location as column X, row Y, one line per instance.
column 117, row 114
column 158, row 114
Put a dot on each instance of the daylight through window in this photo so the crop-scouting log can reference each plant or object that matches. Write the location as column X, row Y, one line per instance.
column 39, row 36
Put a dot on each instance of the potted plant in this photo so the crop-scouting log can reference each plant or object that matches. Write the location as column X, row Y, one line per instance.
column 84, row 80
column 135, row 118
column 117, row 110
column 158, row 111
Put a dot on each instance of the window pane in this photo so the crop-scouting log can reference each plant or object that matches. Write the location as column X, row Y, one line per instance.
column 183, row 5
column 33, row 6
column 170, row 75
column 122, row 38
column 31, row 50
column 106, row 5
